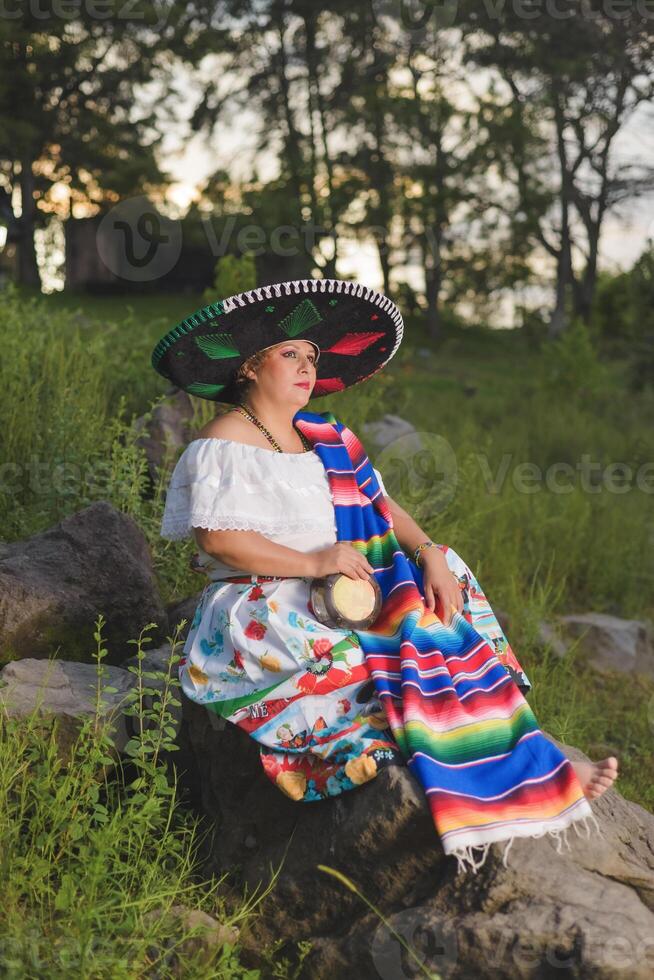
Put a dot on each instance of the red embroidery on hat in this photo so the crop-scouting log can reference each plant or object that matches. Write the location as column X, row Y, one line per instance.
column 353, row 343
column 374, row 317
column 325, row 385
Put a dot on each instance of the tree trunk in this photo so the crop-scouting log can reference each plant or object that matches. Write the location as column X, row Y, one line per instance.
column 28, row 269
column 586, row 291
column 564, row 271
column 433, row 279
column 292, row 143
column 559, row 319
column 315, row 98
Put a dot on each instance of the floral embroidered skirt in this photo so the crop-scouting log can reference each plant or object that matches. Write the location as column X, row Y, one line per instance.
column 256, row 656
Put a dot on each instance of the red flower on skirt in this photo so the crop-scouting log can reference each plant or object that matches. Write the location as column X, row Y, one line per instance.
column 255, row 630
column 321, row 648
column 256, row 592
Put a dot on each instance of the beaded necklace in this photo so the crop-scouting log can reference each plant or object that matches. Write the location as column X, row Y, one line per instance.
column 252, row 417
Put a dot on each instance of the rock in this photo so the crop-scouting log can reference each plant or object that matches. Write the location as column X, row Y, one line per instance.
column 183, row 610
column 381, row 433
column 208, row 936
column 215, row 933
column 417, row 465
column 549, row 638
column 66, row 691
column 608, row 643
column 54, row 585
column 545, row 910
column 165, row 430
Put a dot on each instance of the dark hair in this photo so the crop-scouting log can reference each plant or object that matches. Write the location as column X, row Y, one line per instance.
column 240, row 386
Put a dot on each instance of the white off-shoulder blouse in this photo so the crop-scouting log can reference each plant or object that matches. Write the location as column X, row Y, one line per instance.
column 220, row 484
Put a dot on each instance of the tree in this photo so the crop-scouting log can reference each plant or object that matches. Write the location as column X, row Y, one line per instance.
column 579, row 76
column 444, row 158
column 68, row 88
column 253, row 54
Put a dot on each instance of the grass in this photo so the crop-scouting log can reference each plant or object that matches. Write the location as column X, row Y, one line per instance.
column 79, row 850
column 97, row 853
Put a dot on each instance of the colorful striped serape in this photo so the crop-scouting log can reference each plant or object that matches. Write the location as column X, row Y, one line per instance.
column 461, row 722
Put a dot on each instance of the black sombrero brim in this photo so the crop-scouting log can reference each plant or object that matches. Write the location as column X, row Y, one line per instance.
column 356, row 329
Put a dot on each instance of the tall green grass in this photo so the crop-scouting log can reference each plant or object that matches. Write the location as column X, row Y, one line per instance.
column 97, row 853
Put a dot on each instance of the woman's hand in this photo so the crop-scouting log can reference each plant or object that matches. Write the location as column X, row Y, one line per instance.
column 340, row 557
column 440, row 584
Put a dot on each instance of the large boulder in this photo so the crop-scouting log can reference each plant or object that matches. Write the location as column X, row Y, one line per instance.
column 183, row 609
column 67, row 692
column 54, row 584
column 56, row 689
column 588, row 907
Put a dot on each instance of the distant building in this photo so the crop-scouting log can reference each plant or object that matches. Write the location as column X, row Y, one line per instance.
column 136, row 248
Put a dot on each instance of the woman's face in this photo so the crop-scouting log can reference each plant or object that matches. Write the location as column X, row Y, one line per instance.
column 288, row 373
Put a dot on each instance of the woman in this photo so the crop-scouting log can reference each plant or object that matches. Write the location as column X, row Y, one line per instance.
column 276, row 496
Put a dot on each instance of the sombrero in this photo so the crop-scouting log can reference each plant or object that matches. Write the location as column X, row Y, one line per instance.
column 356, row 330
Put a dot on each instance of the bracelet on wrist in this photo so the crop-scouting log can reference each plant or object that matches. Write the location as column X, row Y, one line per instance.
column 421, row 547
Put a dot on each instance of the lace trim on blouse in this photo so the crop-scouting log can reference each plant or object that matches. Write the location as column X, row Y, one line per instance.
column 178, row 528
column 219, row 484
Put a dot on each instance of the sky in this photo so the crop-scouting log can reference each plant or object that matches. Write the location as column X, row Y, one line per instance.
column 190, row 162
column 624, row 236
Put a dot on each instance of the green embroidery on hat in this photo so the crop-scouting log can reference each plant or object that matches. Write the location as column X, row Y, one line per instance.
column 202, row 389
column 304, row 315
column 217, row 345
column 186, row 326
column 270, row 309
column 333, row 302
column 213, row 309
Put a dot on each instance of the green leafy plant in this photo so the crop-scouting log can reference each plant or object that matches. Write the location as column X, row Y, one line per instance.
column 571, row 364
column 93, row 861
column 233, row 274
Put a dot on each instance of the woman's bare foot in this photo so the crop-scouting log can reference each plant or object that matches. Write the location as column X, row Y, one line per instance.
column 596, row 777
